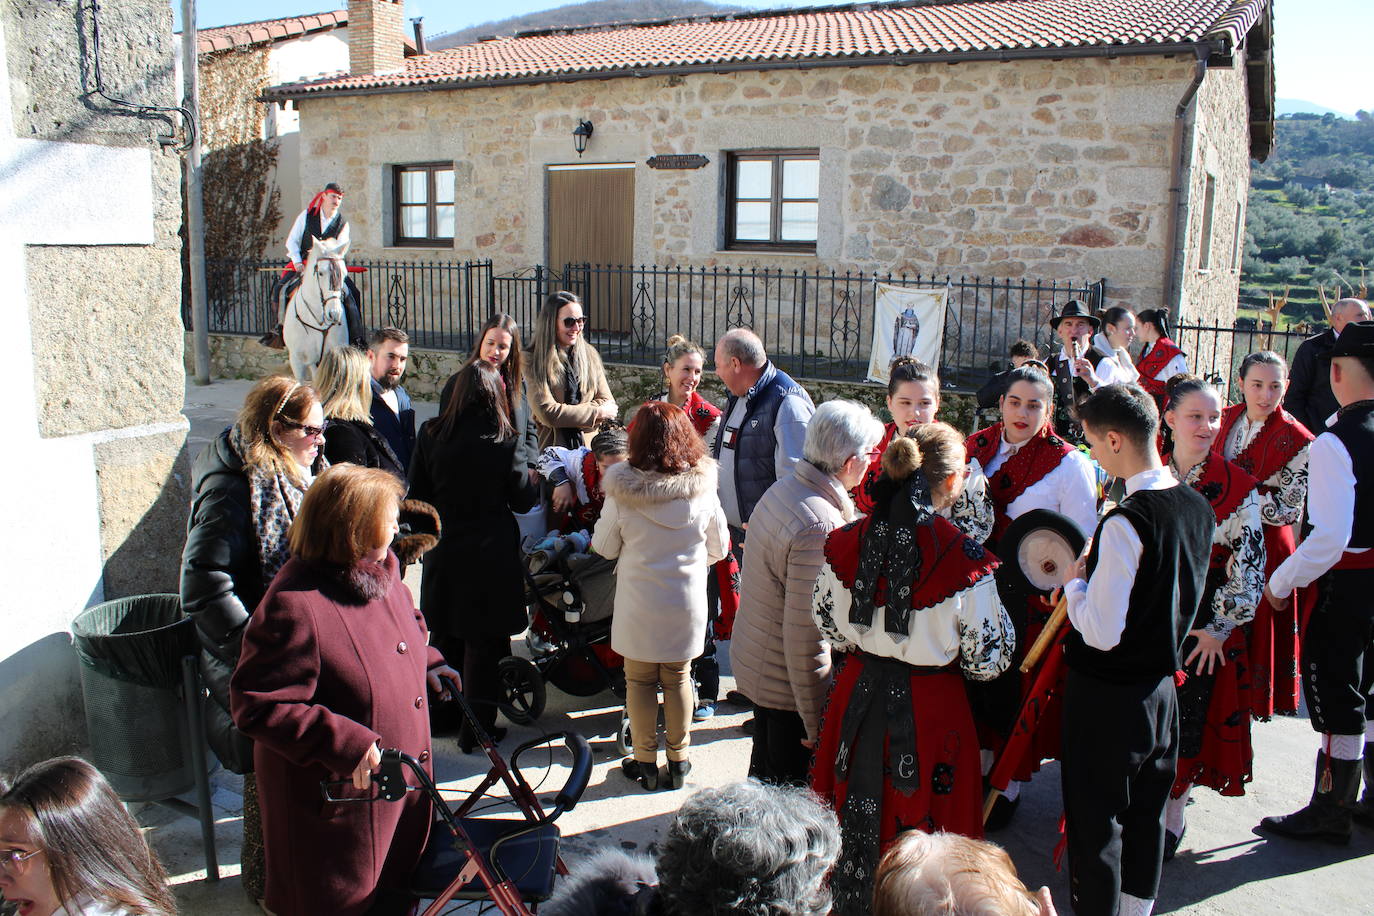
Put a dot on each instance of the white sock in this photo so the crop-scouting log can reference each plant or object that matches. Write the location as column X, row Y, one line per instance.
column 1173, row 812
column 1135, row 906
column 1345, row 747
column 1013, row 791
column 1369, row 732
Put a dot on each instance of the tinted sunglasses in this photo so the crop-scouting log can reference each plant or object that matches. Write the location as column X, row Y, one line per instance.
column 574, row 322
column 315, row 431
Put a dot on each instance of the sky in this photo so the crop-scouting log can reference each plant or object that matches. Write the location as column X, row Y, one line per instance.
column 1308, row 66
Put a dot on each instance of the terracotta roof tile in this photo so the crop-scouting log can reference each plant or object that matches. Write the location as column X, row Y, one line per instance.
column 859, row 31
column 247, row 34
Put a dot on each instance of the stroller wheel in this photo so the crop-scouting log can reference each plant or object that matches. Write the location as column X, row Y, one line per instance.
column 522, row 689
column 623, row 744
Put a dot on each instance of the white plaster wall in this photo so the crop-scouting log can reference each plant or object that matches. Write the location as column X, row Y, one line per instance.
column 305, row 58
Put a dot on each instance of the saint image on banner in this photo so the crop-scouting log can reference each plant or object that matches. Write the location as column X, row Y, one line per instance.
column 906, row 322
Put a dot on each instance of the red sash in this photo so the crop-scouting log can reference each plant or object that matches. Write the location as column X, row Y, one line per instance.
column 1362, row 560
column 1153, row 362
column 1223, row 484
column 950, row 561
column 1279, row 439
column 586, row 514
column 1037, row 457
column 863, row 493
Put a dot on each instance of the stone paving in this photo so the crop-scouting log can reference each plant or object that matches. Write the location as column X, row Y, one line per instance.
column 1223, row 868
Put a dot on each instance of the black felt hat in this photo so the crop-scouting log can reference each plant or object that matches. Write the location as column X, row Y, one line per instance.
column 1357, row 339
column 1075, row 308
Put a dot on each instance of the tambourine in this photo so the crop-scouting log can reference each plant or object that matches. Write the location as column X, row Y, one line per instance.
column 1038, row 552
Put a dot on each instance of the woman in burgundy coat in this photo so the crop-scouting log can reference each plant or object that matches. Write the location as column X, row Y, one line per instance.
column 335, row 666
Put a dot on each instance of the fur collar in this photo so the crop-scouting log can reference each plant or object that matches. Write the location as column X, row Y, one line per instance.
column 630, row 486
column 363, row 582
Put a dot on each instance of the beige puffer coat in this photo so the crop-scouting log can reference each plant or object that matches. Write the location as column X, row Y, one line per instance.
column 779, row 657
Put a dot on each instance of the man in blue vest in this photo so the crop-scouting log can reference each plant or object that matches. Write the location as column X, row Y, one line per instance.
column 759, row 441
column 392, row 413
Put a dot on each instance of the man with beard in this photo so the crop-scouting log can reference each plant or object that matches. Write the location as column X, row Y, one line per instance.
column 392, row 414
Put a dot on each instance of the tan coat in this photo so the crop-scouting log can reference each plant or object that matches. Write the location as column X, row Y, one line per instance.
column 779, row 657
column 550, row 413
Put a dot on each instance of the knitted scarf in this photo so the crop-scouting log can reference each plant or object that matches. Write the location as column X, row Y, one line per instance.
column 273, row 500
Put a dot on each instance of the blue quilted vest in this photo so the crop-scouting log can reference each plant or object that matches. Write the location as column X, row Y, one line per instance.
column 754, row 467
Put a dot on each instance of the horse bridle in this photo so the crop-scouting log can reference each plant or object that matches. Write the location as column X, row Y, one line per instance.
column 325, row 323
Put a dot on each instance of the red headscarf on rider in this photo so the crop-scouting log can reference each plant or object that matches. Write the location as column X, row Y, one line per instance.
column 317, row 201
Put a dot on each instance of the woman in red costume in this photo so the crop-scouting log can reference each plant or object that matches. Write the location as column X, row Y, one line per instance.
column 1214, row 699
column 1269, row 444
column 1161, row 359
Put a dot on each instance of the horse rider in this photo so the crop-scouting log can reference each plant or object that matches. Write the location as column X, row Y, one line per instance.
column 322, row 219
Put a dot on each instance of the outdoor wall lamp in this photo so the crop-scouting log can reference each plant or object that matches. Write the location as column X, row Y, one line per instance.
column 581, row 133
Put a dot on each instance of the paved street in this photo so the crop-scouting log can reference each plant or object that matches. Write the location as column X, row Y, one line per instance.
column 1222, row 867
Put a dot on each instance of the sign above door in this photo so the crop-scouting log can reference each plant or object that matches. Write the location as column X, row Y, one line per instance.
column 685, row 161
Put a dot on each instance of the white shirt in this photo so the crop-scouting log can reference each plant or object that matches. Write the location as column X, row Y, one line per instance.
column 971, row 626
column 1282, row 505
column 1107, row 369
column 1097, row 607
column 1330, row 508
column 296, row 236
column 1126, row 372
column 1070, row 489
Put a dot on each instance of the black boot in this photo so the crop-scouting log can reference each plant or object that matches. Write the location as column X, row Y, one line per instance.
column 646, row 774
column 1328, row 815
column 677, row 772
column 273, row 339
column 1364, row 811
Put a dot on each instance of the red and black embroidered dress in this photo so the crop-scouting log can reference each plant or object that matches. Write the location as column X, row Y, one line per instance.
column 1277, row 457
column 1215, row 708
column 1151, row 363
column 972, row 512
column 898, row 748
column 1037, row 457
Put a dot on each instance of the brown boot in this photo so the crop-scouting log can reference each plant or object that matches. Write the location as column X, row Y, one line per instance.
column 273, row 339
column 1328, row 815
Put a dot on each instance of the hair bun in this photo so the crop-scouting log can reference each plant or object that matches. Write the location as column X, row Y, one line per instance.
column 1175, row 381
column 675, row 340
column 902, row 458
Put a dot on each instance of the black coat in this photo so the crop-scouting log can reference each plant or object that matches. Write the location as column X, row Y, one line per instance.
column 529, row 444
column 357, row 442
column 1309, row 397
column 221, row 584
column 473, row 584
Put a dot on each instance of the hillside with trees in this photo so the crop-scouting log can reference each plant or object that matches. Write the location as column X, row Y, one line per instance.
column 1311, row 213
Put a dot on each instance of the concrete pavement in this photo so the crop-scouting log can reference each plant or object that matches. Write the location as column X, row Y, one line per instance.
column 1223, row 868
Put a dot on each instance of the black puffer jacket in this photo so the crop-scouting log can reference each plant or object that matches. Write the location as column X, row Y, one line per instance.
column 221, row 584
column 358, row 442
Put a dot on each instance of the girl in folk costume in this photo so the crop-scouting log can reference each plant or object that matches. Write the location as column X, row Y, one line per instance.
column 1116, row 336
column 682, row 367
column 1266, row 442
column 1028, row 467
column 913, row 399
column 575, row 474
column 1214, row 699
column 902, row 596
column 1161, row 359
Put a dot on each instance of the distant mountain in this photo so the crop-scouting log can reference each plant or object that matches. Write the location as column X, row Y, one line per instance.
column 1298, row 106
column 595, row 12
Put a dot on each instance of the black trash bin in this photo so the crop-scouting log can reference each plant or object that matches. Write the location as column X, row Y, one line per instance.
column 140, row 685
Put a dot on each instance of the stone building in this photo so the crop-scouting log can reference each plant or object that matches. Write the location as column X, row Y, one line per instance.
column 90, row 206
column 982, row 138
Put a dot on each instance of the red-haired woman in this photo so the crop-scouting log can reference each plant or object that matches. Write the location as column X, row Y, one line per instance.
column 663, row 519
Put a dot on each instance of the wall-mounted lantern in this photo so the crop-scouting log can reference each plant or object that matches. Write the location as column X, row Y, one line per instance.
column 581, row 134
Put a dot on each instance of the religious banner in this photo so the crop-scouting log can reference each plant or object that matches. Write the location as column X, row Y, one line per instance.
column 906, row 322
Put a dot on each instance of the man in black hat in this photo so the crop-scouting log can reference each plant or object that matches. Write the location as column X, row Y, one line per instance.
column 321, row 219
column 1338, row 644
column 1080, row 368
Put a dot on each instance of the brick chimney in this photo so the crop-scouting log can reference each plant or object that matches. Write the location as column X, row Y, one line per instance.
column 376, row 37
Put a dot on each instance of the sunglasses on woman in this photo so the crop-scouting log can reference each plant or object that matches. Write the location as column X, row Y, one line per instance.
column 307, row 430
column 574, row 322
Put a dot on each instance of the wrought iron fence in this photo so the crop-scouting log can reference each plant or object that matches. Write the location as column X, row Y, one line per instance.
column 816, row 325
column 1216, row 350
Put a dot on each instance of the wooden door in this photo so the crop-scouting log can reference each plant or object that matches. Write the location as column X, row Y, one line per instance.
column 591, row 221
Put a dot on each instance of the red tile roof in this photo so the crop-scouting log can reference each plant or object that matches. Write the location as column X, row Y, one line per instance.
column 247, row 34
column 912, row 28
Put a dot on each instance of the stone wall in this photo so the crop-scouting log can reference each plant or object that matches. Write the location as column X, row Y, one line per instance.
column 89, row 260
column 1029, row 169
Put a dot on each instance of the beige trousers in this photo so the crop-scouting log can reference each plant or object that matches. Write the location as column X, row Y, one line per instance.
column 642, row 680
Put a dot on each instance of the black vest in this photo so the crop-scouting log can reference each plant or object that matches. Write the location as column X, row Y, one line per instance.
column 1069, row 389
column 313, row 230
column 1355, row 428
column 1175, row 527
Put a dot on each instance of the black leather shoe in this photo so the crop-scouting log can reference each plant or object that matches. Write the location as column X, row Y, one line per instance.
column 1171, row 841
column 1329, row 815
column 1003, row 810
column 677, row 772
column 646, row 774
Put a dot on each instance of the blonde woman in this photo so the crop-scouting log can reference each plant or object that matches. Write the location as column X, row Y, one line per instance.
column 567, row 387
column 344, row 382
column 247, row 486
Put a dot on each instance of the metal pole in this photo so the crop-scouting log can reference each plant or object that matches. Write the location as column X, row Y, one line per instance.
column 195, row 205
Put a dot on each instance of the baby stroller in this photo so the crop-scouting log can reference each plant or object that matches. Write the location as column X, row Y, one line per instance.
column 510, row 861
column 571, row 595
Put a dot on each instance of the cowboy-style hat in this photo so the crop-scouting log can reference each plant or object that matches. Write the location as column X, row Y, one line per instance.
column 1357, row 339
column 1075, row 308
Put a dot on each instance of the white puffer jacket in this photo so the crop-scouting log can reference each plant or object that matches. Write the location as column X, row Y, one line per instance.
column 667, row 530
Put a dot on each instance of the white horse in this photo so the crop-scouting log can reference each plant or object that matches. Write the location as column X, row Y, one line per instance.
column 314, row 321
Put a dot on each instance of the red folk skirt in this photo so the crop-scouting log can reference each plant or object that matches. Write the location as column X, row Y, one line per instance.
column 1214, row 723
column 946, row 793
column 1275, row 635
